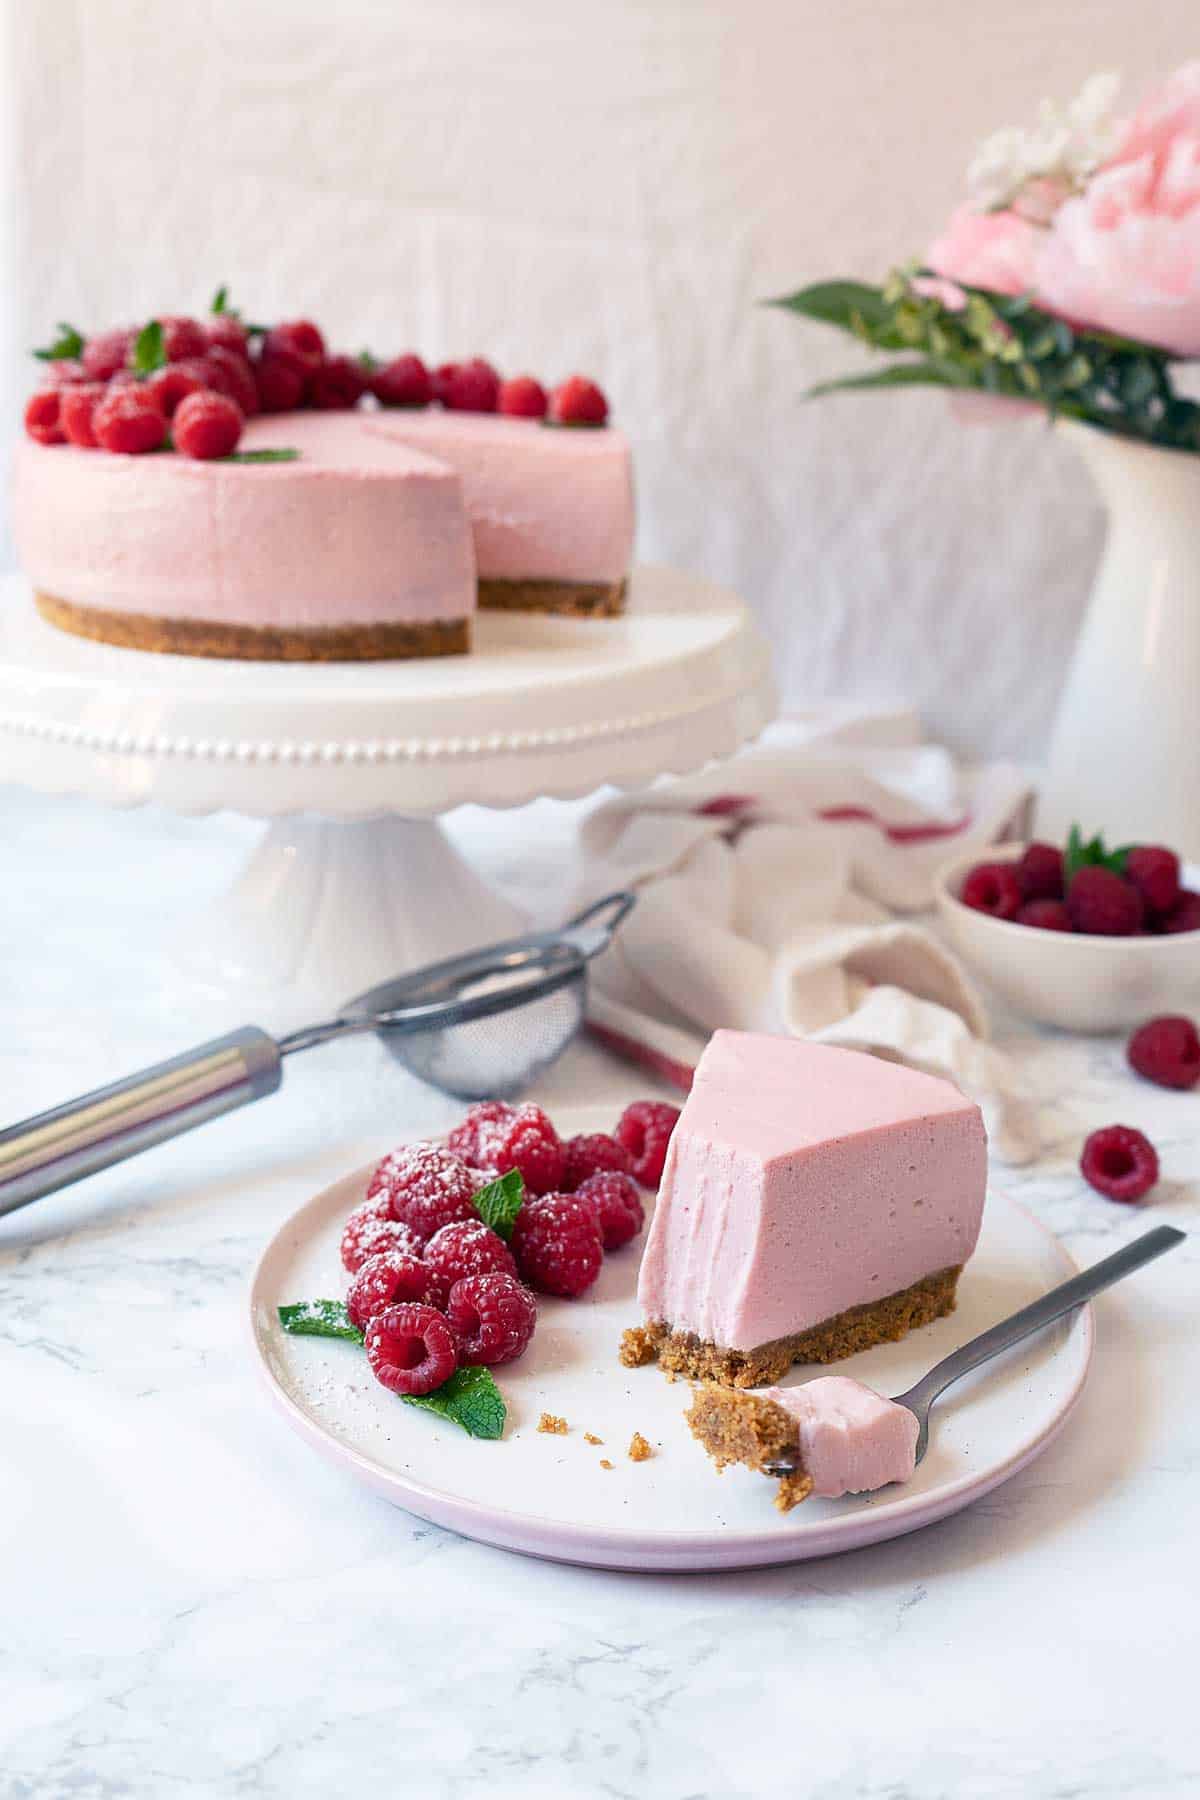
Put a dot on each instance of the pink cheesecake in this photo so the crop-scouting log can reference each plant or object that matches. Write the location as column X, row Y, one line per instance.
column 815, row 1201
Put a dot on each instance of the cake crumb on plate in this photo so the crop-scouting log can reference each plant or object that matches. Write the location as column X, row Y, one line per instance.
column 604, row 1463
column 639, row 1449
column 552, row 1423
column 589, row 1437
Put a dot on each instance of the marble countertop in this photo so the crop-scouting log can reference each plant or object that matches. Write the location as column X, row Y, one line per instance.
column 194, row 1604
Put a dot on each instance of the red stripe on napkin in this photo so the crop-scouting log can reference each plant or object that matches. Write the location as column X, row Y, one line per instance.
column 656, row 1062
column 897, row 834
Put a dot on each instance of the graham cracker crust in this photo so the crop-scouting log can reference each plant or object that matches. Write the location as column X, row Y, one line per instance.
column 858, row 1328
column 255, row 643
column 575, row 599
column 746, row 1428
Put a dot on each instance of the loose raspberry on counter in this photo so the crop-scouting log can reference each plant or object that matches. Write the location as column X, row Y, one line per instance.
column 129, row 421
column 1103, row 905
column 522, row 397
column 405, row 381
column 1154, row 872
column 645, row 1130
column 1040, row 872
column 1047, row 915
column 578, row 401
column 174, row 383
column 1166, row 1050
column 411, row 1349
column 1184, row 915
column 492, row 1318
column 993, row 888
column 499, row 1136
column 618, row 1206
column 207, row 425
column 390, row 1279
column 425, row 1187
column 371, row 1231
column 591, row 1154
column 337, row 385
column 183, row 338
column 76, row 410
column 280, row 384
column 225, row 331
column 472, row 386
column 43, row 420
column 1120, row 1162
column 557, row 1244
column 105, row 353
column 229, row 372
column 298, row 342
column 468, row 1247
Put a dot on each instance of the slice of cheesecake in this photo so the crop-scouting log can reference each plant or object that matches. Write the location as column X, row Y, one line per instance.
column 815, row 1201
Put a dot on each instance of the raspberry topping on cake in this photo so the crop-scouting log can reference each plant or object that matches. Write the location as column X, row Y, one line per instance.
column 1121, row 1162
column 468, row 1247
column 405, row 381
column 174, row 383
column 182, row 338
column 280, row 384
column 42, row 416
column 645, row 1130
column 129, row 421
column 499, row 1136
column 578, row 401
column 425, row 1187
column 468, row 387
column 592, row 1154
column 522, row 397
column 1166, row 1050
column 298, row 342
column 76, row 410
column 993, row 888
column 229, row 372
column 557, row 1244
column 105, row 353
column 618, row 1206
column 226, row 331
column 411, row 1349
column 392, row 1277
column 337, row 385
column 207, row 425
column 492, row 1318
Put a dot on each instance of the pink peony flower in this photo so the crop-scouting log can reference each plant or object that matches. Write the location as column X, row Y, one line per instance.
column 936, row 287
column 988, row 250
column 1125, row 254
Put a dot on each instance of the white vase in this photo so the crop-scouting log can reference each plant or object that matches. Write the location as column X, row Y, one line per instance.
column 1124, row 754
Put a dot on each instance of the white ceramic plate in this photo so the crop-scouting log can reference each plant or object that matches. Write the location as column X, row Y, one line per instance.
column 548, row 1495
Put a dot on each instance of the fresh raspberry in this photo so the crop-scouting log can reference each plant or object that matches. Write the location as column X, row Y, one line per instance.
column 183, row 338
column 645, row 1130
column 1184, row 915
column 492, row 1318
column 405, row 381
column 229, row 373
column 370, row 1231
column 472, row 386
column 129, row 421
column 1040, row 872
column 1047, row 915
column 76, row 407
column 63, row 373
column 207, row 425
column 425, row 1187
column 298, row 342
column 557, row 1244
column 280, row 384
column 468, row 1247
column 618, row 1206
column 390, row 1279
column 411, row 1348
column 523, row 398
column 1120, row 1162
column 591, row 1155
column 1103, row 905
column 43, row 416
column 1154, row 872
column 105, row 353
column 507, row 1137
column 337, row 385
column 1166, row 1050
column 993, row 888
column 224, row 331
column 578, row 401
column 174, row 383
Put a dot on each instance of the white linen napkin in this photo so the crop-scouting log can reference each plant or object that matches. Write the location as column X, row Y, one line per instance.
column 769, row 890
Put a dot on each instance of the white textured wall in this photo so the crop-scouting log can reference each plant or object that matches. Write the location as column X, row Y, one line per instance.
column 610, row 186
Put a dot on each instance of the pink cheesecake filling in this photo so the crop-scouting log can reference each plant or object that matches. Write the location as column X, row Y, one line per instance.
column 851, row 1438
column 804, row 1180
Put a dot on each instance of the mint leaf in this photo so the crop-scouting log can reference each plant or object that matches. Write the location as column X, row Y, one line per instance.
column 148, row 351
column 220, row 302
column 500, row 1201
column 319, row 1318
column 66, row 346
column 1091, row 855
column 470, row 1398
column 367, row 362
column 261, row 456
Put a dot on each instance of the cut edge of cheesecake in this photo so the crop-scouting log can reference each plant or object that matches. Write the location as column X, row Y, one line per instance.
column 736, row 1427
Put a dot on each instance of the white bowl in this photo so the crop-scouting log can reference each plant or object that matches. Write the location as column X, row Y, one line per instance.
column 1062, row 978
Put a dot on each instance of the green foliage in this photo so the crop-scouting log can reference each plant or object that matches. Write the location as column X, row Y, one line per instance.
column 1092, row 854
column 500, row 1201
column 319, row 1318
column 149, row 351
column 470, row 1398
column 64, row 348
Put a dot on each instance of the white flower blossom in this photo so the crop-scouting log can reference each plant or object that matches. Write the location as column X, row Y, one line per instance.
column 1056, row 157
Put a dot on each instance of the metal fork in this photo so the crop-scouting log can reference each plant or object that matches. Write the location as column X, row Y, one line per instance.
column 1051, row 1306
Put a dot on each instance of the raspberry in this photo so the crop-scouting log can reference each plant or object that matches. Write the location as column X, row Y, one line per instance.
column 1103, row 905
column 523, row 398
column 645, row 1130
column 388, row 1279
column 207, row 425
column 492, row 1318
column 405, row 381
column 76, row 406
column 105, row 353
column 174, row 383
column 129, row 421
column 425, row 1187
column 578, row 401
column 370, row 1231
column 1166, row 1050
column 337, row 385
column 280, row 384
column 1040, row 872
column 411, row 1348
column 557, row 1244
column 1184, row 915
column 505, row 1137
column 43, row 416
column 590, row 1155
column 224, row 331
column 182, row 338
column 229, row 373
column 63, row 373
column 993, row 888
column 618, row 1206
column 298, row 342
column 468, row 387
column 1047, row 915
column 468, row 1247
column 1154, row 872
column 1120, row 1162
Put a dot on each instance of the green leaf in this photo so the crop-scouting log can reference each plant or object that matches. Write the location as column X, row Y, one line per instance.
column 910, row 374
column 261, row 456
column 149, row 352
column 319, row 1318
column 220, row 301
column 848, row 304
column 1091, row 854
column 367, row 362
column 470, row 1398
column 66, row 346
column 500, row 1201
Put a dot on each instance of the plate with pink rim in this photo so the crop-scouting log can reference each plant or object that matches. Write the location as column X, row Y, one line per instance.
column 555, row 1496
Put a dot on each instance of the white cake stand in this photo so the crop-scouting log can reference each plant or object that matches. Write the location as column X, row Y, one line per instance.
column 351, row 763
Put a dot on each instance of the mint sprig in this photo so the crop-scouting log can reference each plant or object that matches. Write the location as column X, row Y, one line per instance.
column 470, row 1398
column 1091, row 854
column 66, row 346
column 220, row 302
column 149, row 351
column 261, row 456
column 319, row 1318
column 500, row 1201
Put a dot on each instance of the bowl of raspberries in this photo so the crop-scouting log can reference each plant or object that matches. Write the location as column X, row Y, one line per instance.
column 1078, row 935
